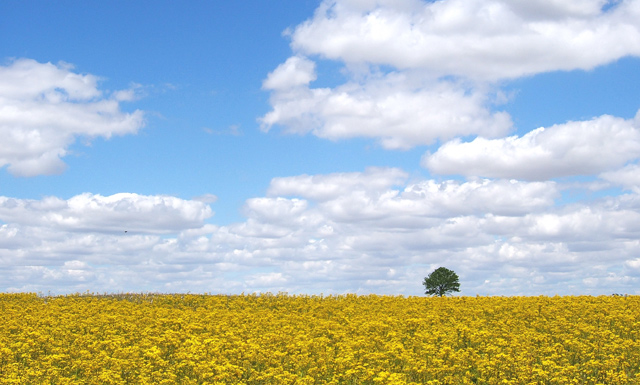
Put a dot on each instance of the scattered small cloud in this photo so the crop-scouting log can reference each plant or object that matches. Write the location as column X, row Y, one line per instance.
column 135, row 92
column 233, row 130
column 206, row 198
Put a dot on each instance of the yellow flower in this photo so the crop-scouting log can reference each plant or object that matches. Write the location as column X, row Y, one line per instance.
column 349, row 339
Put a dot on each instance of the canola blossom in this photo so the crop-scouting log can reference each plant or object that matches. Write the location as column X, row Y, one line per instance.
column 346, row 339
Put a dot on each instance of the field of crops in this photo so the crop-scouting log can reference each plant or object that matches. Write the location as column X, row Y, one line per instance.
column 281, row 339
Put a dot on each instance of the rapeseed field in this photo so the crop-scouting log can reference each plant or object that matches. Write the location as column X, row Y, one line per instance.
column 347, row 339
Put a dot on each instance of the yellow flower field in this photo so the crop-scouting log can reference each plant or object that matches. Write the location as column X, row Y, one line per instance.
column 281, row 339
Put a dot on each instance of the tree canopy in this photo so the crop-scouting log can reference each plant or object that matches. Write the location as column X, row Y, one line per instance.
column 441, row 281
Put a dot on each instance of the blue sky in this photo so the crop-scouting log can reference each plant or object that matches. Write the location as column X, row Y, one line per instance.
column 320, row 147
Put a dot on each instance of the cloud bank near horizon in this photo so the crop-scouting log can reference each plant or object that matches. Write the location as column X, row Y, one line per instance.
column 372, row 231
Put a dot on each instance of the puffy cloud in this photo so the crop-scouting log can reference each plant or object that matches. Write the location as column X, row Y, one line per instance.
column 579, row 227
column 420, row 71
column 332, row 186
column 45, row 107
column 376, row 231
column 628, row 177
column 266, row 280
column 275, row 210
column 574, row 148
column 296, row 71
column 115, row 213
column 353, row 197
column 484, row 196
column 397, row 109
column 487, row 40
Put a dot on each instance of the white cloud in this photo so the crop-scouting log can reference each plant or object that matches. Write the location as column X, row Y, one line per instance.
column 484, row 196
column 634, row 264
column 267, row 280
column 115, row 213
column 487, row 40
column 628, row 177
column 206, row 198
column 296, row 71
column 375, row 231
column 421, row 71
column 374, row 195
column 44, row 108
column 574, row 148
column 400, row 110
column 332, row 186
column 275, row 209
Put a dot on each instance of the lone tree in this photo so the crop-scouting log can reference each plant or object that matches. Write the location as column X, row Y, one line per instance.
column 441, row 281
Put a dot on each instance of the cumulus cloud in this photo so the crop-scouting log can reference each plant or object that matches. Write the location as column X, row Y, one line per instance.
column 419, row 71
column 331, row 186
column 377, row 231
column 357, row 196
column 44, row 108
column 398, row 110
column 115, row 213
column 627, row 177
column 486, row 40
column 574, row 148
column 296, row 71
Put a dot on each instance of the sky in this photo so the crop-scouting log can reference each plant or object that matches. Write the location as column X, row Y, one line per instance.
column 320, row 147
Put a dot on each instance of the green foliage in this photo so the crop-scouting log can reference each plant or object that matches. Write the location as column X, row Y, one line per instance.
column 441, row 282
